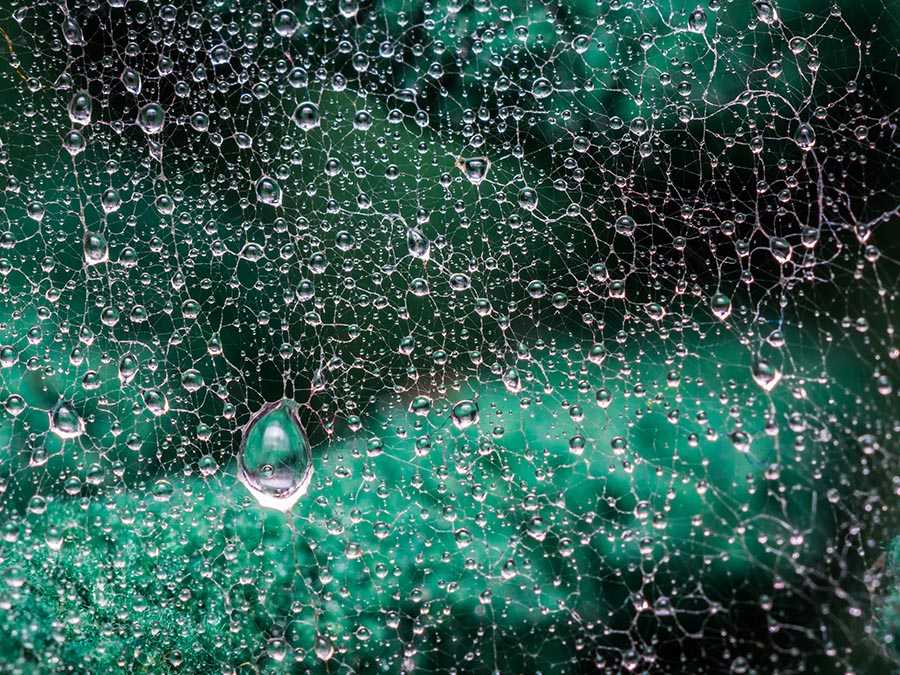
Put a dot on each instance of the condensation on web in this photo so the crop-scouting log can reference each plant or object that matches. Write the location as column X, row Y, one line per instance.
column 448, row 336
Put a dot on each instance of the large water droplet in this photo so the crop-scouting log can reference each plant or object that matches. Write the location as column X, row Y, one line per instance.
column 475, row 169
column 268, row 191
column 306, row 116
column 765, row 374
column 464, row 414
column 275, row 459
column 151, row 118
column 418, row 244
column 805, row 137
column 80, row 108
column 65, row 421
column 96, row 249
column 765, row 11
column 285, row 23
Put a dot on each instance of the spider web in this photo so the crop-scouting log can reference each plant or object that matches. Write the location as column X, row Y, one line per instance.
column 587, row 310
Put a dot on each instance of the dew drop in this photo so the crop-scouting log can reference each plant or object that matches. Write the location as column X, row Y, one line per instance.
column 306, row 116
column 275, row 458
column 268, row 191
column 96, row 249
column 80, row 108
column 721, row 306
column 151, row 118
column 475, row 169
column 805, row 137
column 65, row 421
column 765, row 374
column 285, row 23
column 464, row 414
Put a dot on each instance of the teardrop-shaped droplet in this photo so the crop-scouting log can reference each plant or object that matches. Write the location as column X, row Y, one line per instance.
column 805, row 137
column 475, row 169
column 65, row 421
column 721, row 306
column 512, row 381
column 697, row 21
column 80, row 108
column 268, row 191
column 418, row 244
column 72, row 32
column 96, row 249
column 464, row 414
column 765, row 374
column 324, row 647
column 156, row 401
column 128, row 366
column 275, row 459
column 132, row 81
column 765, row 11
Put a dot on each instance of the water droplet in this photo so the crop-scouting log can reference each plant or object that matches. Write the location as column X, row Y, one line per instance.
column 132, row 81
column 420, row 405
column 72, row 32
column 151, row 118
column 765, row 374
column 418, row 245
column 721, row 306
column 80, row 108
column 542, row 87
column 765, row 11
column 65, row 421
column 306, row 116
column 285, row 23
column 96, row 250
column 697, row 21
column 191, row 380
column 475, row 169
column 512, row 381
column 128, row 366
column 324, row 648
column 464, row 414
column 156, row 401
column 268, row 191
column 275, row 459
column 805, row 137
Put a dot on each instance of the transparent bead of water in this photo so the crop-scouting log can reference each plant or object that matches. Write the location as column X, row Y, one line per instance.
column 324, row 648
column 96, row 249
column 131, row 79
column 765, row 374
column 65, row 422
column 306, row 116
column 71, row 32
column 156, row 402
column 268, row 191
column 721, row 306
column 765, row 11
column 80, row 108
column 697, row 21
column 151, row 118
column 417, row 244
column 275, row 458
column 464, row 414
column 805, row 137
column 285, row 23
column 475, row 169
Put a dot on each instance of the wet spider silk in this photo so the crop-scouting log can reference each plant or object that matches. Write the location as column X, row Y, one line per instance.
column 448, row 336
